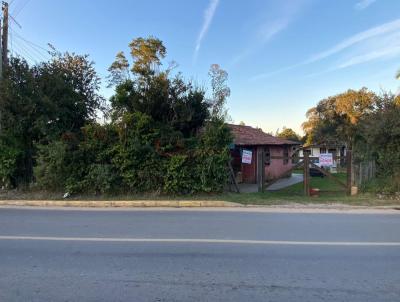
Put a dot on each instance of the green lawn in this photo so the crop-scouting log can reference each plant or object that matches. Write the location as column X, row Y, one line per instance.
column 331, row 192
column 278, row 198
column 326, row 185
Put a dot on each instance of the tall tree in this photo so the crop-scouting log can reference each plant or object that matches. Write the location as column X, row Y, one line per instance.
column 21, row 107
column 159, row 118
column 119, row 70
column 335, row 119
column 220, row 90
column 151, row 91
column 69, row 87
column 146, row 56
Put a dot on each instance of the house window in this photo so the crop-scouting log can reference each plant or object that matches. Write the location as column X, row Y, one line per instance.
column 286, row 155
column 267, row 156
column 322, row 150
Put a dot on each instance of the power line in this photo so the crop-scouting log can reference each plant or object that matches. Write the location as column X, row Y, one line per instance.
column 35, row 55
column 15, row 6
column 16, row 12
column 25, row 54
column 41, row 54
column 31, row 47
column 30, row 42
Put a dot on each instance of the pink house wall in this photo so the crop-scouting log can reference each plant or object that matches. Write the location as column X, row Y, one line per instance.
column 274, row 170
column 249, row 170
column 277, row 166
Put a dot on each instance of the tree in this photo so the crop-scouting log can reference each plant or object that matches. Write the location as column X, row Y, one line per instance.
column 119, row 70
column 153, row 92
column 167, row 122
column 220, row 91
column 69, row 89
column 46, row 102
column 161, row 137
column 20, row 110
column 164, row 125
column 288, row 133
column 146, row 54
column 335, row 119
column 381, row 133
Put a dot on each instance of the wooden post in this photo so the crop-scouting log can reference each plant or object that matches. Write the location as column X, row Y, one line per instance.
column 260, row 169
column 306, row 177
column 233, row 179
column 4, row 41
column 349, row 171
column 1, row 65
column 1, row 52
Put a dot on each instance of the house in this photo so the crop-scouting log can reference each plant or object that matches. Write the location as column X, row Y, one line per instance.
column 316, row 149
column 247, row 141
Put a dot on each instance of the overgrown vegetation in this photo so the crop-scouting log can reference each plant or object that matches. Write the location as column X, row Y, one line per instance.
column 367, row 123
column 163, row 134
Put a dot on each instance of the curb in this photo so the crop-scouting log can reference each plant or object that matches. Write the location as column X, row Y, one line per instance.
column 121, row 203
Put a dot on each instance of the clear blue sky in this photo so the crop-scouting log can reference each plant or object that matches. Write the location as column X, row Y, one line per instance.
column 282, row 56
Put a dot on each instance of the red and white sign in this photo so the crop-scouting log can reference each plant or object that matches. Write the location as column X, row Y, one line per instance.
column 247, row 156
column 325, row 160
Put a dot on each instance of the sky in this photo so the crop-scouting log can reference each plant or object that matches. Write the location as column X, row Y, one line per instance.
column 282, row 56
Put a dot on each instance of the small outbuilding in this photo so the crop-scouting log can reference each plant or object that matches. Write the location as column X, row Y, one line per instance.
column 247, row 144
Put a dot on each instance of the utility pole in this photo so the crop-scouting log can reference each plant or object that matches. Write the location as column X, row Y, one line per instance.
column 1, row 71
column 3, row 47
column 1, row 53
column 5, row 35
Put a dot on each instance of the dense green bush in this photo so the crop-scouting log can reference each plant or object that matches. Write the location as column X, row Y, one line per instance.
column 213, row 156
column 381, row 140
column 140, row 167
column 98, row 179
column 389, row 185
column 179, row 175
column 50, row 170
column 81, row 164
column 9, row 156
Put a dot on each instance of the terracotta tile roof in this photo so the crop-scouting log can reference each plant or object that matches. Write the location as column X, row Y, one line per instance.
column 249, row 136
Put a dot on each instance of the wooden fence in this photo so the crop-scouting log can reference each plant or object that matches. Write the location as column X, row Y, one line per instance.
column 363, row 172
column 357, row 173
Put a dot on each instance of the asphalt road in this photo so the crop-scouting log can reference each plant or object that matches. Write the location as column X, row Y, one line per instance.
column 181, row 255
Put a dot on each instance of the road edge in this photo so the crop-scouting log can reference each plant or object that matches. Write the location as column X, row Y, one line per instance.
column 205, row 205
column 120, row 203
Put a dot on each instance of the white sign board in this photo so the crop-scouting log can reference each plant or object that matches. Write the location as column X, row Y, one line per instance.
column 325, row 160
column 246, row 156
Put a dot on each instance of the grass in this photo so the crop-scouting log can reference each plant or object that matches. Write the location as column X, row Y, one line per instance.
column 272, row 198
column 331, row 192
